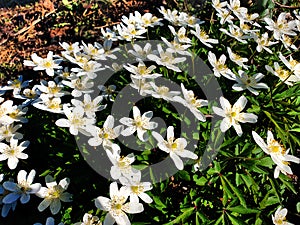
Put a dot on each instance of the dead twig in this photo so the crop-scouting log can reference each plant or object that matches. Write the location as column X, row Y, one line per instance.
column 33, row 23
column 286, row 6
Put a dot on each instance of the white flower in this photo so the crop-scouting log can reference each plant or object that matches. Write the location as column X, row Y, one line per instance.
column 180, row 34
column 224, row 15
column 171, row 16
column 162, row 92
column 77, row 57
column 142, row 71
column 141, row 85
column 249, row 82
column 287, row 42
column 166, row 59
column 283, row 164
column 89, row 219
column 117, row 206
column 279, row 218
column 107, row 91
column 48, row 64
column 281, row 26
column 237, row 58
column 203, row 37
column 139, row 123
column 121, row 165
column 142, row 53
column 90, row 106
column 233, row 115
column 106, row 134
column 52, row 88
column 135, row 188
column 292, row 64
column 75, row 120
column 16, row 85
column 22, row 189
column 70, row 48
column 53, row 194
column 219, row 66
column 13, row 152
column 81, row 85
column 130, row 32
column 49, row 104
column 10, row 131
column 284, row 75
column 191, row 102
column 219, row 5
column 263, row 42
column 175, row 147
column 88, row 69
column 49, row 221
column 235, row 32
column 6, row 108
column 176, row 47
column 235, row 7
column 108, row 34
column 277, row 152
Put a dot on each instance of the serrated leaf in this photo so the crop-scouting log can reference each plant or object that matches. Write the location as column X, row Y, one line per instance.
column 183, row 217
column 242, row 210
column 236, row 192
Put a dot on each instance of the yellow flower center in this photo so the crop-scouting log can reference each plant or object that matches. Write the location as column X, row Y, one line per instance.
column 137, row 189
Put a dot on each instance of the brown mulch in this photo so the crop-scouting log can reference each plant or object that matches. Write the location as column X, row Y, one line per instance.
column 37, row 26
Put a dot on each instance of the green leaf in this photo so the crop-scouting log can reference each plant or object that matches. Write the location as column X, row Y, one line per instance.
column 242, row 210
column 236, row 191
column 295, row 129
column 298, row 207
column 234, row 220
column 200, row 181
column 266, row 162
column 184, row 175
column 183, row 217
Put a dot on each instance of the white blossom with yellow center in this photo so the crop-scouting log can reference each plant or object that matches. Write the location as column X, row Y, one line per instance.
column 233, row 115
column 139, row 123
column 53, row 194
column 277, row 152
column 116, row 206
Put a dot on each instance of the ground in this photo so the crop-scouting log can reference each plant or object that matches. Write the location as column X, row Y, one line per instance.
column 37, row 26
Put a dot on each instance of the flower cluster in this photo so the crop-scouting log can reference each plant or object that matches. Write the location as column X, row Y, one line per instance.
column 70, row 92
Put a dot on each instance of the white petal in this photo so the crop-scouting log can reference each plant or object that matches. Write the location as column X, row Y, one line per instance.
column 10, row 198
column 241, row 102
column 128, row 131
column 44, row 204
column 260, row 142
column 25, row 198
column 21, row 176
column 178, row 162
column 187, row 154
column 62, row 123
column 134, row 208
column 136, row 112
column 64, row 183
column 126, row 121
column 218, row 111
column 109, row 220
column 146, row 198
column 109, row 122
column 225, row 124
column 31, row 176
column 170, row 132
column 102, row 203
column 12, row 162
column 55, row 206
column 238, row 129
